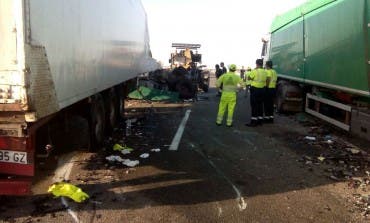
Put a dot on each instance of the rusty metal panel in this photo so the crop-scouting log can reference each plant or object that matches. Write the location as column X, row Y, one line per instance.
column 42, row 97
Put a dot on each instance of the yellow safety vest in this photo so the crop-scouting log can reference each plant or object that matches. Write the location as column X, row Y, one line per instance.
column 229, row 82
column 271, row 73
column 258, row 77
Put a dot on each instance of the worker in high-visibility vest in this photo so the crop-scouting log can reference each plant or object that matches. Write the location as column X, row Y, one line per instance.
column 258, row 78
column 270, row 92
column 247, row 82
column 229, row 82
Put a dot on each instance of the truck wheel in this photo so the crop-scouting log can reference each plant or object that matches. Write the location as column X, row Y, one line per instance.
column 112, row 108
column 280, row 97
column 120, row 103
column 97, row 123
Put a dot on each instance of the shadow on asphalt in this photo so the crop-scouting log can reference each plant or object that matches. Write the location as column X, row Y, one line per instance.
column 261, row 161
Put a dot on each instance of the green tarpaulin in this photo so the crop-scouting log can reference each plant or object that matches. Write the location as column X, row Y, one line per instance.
column 154, row 94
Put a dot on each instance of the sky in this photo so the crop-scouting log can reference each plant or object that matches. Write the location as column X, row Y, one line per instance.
column 228, row 30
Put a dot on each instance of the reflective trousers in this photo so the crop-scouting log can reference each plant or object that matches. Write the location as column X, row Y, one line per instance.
column 269, row 103
column 257, row 98
column 227, row 101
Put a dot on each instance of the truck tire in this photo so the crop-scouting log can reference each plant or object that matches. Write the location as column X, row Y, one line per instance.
column 120, row 103
column 186, row 89
column 112, row 110
column 289, row 97
column 280, row 97
column 97, row 123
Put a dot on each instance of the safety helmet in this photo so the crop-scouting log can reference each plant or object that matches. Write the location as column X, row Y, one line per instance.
column 232, row 67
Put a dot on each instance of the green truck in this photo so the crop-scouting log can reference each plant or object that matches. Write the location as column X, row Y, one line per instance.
column 320, row 51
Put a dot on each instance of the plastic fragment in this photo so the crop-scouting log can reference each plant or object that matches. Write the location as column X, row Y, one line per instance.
column 130, row 163
column 144, row 155
column 118, row 147
column 321, row 158
column 113, row 158
column 329, row 141
column 155, row 150
column 68, row 190
column 310, row 138
column 126, row 151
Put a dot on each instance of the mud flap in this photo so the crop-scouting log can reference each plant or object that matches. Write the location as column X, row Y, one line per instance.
column 15, row 186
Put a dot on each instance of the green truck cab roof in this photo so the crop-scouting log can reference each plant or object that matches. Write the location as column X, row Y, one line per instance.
column 295, row 13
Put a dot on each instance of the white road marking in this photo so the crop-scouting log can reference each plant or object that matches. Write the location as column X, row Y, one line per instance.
column 241, row 202
column 176, row 140
column 219, row 211
column 62, row 173
column 70, row 211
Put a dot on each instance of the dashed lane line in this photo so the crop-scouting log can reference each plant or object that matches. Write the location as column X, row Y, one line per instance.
column 65, row 165
column 176, row 140
column 242, row 204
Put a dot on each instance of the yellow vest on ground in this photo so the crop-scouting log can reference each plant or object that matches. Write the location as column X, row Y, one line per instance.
column 258, row 77
column 271, row 73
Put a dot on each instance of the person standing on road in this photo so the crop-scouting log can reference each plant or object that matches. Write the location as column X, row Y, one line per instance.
column 230, row 82
column 270, row 92
column 218, row 71
column 223, row 68
column 258, row 78
column 247, row 82
column 242, row 73
column 222, row 71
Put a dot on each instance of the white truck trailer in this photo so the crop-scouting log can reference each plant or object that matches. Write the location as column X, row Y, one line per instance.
column 57, row 56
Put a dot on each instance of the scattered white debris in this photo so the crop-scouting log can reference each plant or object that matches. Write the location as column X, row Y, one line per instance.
column 126, row 151
column 130, row 163
column 310, row 138
column 144, row 155
column 113, row 158
column 156, row 150
column 355, row 151
column 329, row 141
column 321, row 158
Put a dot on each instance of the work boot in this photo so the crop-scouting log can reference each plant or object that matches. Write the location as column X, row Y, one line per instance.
column 251, row 124
column 229, row 125
column 218, row 124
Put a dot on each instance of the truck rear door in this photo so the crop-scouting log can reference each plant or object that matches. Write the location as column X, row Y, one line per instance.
column 8, row 36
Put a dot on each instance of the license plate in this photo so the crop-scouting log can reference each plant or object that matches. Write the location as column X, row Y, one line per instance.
column 13, row 157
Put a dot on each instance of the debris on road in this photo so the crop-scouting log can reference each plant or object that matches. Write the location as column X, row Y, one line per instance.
column 156, row 150
column 144, row 155
column 341, row 161
column 118, row 147
column 130, row 163
column 68, row 190
column 113, row 158
column 152, row 94
column 321, row 158
column 310, row 138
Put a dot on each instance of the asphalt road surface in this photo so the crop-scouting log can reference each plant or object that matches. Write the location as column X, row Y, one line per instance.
column 199, row 172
